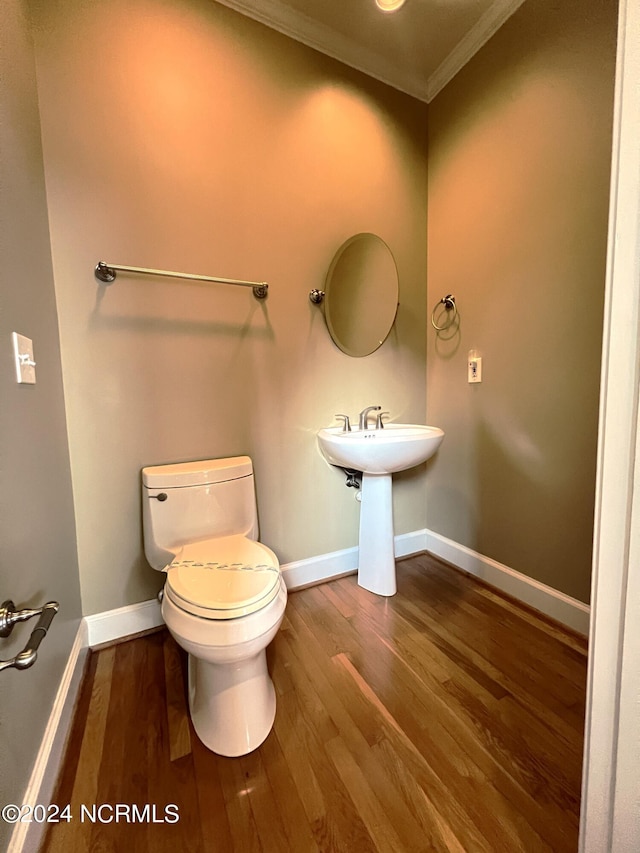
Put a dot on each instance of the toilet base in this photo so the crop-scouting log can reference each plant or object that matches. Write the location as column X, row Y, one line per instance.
column 233, row 705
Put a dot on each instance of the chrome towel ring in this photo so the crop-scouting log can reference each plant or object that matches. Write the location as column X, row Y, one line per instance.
column 451, row 310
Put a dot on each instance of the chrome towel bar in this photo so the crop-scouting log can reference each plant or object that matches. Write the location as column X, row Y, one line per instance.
column 106, row 273
column 9, row 617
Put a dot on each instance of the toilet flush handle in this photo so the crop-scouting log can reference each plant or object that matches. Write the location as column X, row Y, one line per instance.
column 161, row 496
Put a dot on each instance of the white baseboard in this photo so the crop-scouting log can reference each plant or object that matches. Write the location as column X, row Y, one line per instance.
column 122, row 622
column 313, row 570
column 126, row 621
column 336, row 564
column 27, row 837
column 569, row 611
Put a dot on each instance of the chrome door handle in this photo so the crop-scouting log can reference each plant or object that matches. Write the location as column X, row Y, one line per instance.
column 9, row 617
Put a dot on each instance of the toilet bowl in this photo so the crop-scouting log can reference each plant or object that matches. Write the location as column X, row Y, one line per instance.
column 224, row 596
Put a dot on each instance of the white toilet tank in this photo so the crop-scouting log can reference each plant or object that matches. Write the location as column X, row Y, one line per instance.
column 189, row 501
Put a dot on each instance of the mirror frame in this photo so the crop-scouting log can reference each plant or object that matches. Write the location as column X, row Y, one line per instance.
column 389, row 320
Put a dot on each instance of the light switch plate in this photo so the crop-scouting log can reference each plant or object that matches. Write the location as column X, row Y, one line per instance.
column 23, row 357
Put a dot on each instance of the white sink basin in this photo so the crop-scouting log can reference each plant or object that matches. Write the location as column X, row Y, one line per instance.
column 380, row 451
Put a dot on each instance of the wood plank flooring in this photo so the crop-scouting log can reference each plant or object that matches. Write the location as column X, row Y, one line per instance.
column 446, row 718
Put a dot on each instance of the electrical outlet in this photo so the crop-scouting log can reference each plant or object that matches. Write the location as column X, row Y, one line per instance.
column 474, row 367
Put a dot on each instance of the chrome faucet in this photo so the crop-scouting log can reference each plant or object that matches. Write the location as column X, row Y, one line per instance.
column 363, row 421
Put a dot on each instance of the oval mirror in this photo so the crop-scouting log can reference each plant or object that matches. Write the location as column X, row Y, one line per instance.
column 361, row 294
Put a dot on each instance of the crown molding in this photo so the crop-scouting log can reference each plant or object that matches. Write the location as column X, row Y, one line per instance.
column 305, row 29
column 469, row 45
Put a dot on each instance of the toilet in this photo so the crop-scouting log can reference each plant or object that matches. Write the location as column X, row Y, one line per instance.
column 224, row 595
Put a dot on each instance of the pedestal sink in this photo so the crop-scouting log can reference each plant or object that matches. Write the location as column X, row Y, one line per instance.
column 378, row 453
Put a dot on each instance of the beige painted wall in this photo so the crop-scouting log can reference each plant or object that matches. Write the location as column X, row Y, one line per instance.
column 519, row 155
column 37, row 532
column 180, row 135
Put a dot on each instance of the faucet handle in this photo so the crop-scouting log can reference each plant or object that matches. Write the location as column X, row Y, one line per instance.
column 379, row 416
column 347, row 425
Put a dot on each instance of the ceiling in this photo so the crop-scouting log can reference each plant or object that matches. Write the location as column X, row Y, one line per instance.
column 416, row 49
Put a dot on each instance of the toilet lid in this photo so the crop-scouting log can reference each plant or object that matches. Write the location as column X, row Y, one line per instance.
column 223, row 578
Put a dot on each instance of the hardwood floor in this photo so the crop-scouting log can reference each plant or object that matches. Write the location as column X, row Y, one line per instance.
column 446, row 718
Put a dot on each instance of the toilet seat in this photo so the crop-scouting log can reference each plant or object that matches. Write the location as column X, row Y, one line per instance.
column 223, row 578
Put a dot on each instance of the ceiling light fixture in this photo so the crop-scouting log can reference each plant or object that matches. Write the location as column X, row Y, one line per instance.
column 389, row 5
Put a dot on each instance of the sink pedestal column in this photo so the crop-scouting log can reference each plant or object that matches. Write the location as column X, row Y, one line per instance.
column 376, row 559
